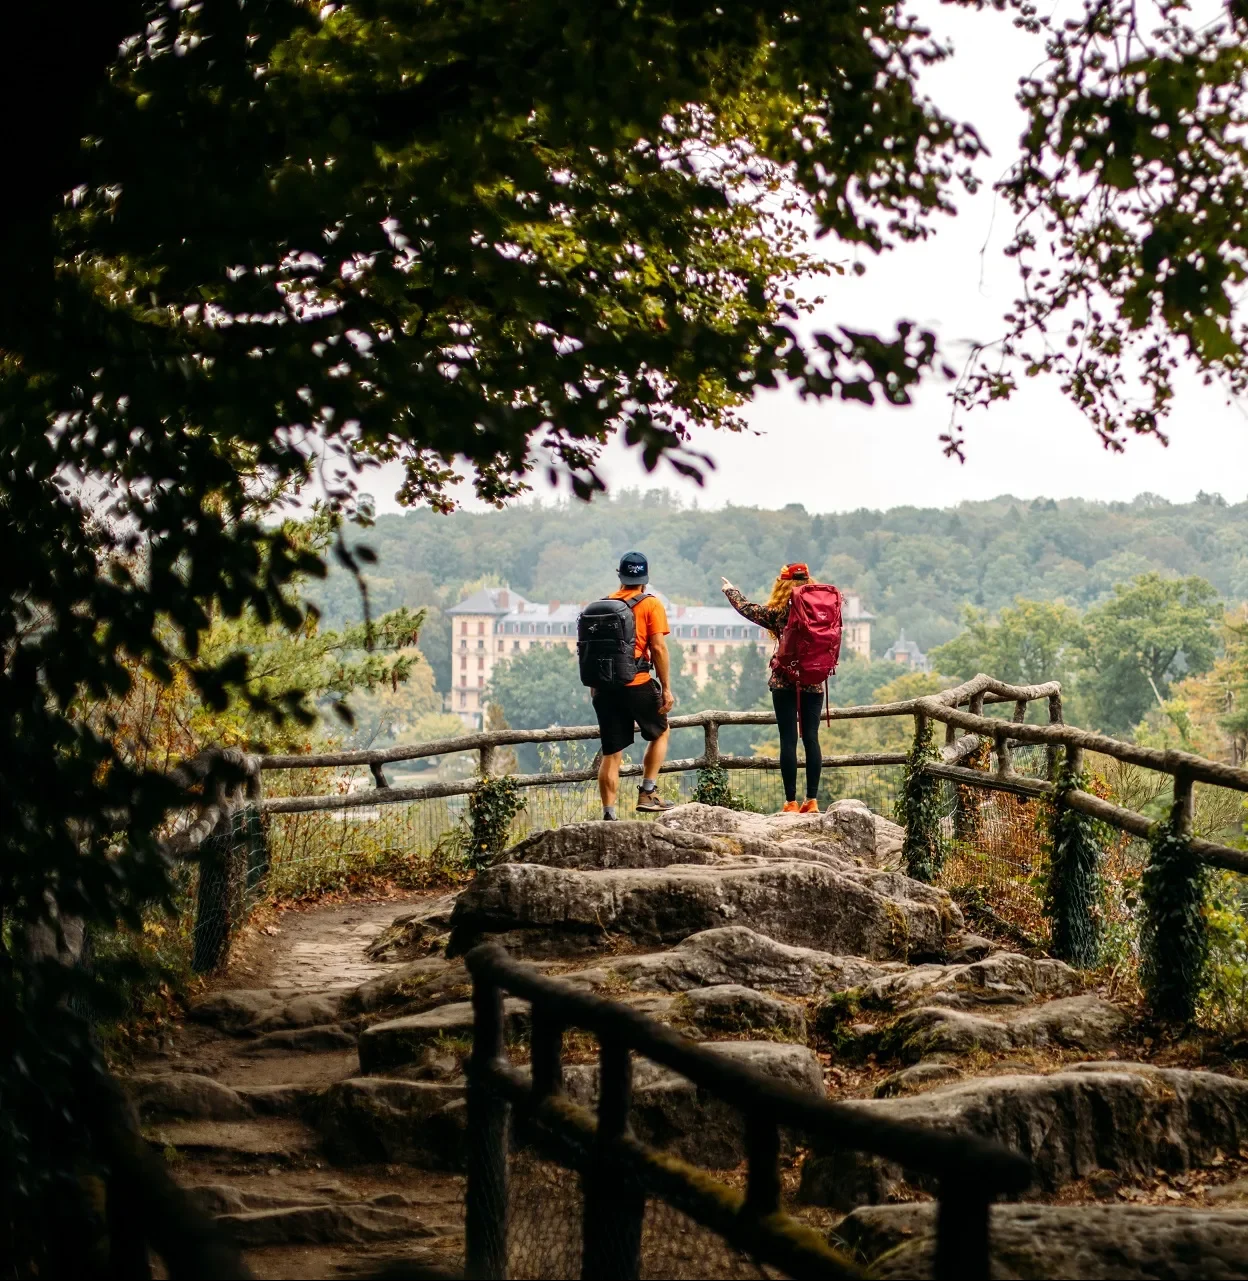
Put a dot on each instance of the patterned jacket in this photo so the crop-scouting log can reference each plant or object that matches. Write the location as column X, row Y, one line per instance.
column 772, row 620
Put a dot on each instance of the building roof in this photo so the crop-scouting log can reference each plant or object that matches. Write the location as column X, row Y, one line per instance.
column 903, row 646
column 502, row 601
column 487, row 600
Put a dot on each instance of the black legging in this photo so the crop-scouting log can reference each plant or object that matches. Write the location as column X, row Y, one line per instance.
column 785, row 703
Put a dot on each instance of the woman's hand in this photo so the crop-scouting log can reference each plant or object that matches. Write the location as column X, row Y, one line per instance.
column 727, row 586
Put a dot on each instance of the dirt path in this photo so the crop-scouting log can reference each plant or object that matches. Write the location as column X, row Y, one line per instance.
column 315, row 946
column 265, row 1169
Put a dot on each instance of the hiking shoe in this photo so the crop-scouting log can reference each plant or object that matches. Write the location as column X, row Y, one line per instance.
column 790, row 807
column 809, row 806
column 652, row 802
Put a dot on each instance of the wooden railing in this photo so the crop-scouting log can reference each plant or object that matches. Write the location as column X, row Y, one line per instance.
column 709, row 722
column 1185, row 767
column 620, row 1173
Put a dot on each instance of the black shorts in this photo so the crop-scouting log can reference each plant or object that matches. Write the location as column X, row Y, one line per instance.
column 619, row 707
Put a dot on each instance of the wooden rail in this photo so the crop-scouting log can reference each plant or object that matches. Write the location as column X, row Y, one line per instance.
column 619, row 1173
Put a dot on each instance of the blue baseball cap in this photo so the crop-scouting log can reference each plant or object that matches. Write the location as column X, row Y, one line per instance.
column 634, row 569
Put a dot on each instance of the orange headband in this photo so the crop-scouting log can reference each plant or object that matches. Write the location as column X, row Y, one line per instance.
column 796, row 570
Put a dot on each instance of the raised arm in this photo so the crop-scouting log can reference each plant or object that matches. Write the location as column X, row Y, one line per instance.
column 759, row 614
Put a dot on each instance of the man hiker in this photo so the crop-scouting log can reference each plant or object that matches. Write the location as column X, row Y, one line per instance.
column 621, row 649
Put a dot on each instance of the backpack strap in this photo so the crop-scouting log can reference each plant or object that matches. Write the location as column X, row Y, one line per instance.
column 636, row 600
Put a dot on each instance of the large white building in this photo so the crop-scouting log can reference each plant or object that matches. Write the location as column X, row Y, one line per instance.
column 496, row 623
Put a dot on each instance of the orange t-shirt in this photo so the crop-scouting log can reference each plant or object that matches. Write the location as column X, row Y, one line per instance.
column 650, row 619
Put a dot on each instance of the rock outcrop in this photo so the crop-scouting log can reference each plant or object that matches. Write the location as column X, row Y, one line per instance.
column 1084, row 1243
column 1123, row 1117
column 1078, row 1022
column 551, row 911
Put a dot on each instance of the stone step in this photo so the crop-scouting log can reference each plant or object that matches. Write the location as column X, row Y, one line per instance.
column 380, row 1119
column 304, row 1040
column 1126, row 1117
column 375, row 1119
column 401, row 1041
column 553, row 911
column 255, row 1011
column 846, row 829
column 257, row 1141
column 671, row 1113
column 1081, row 1242
column 713, row 1011
column 322, row 1224
column 185, row 1096
column 738, row 954
column 1077, row 1022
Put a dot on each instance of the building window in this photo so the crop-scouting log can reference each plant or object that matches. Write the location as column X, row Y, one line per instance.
column 480, row 629
column 480, row 664
column 463, row 699
column 463, row 629
column 463, row 662
column 480, row 644
column 694, row 669
column 515, row 646
column 502, row 645
column 710, row 651
column 693, row 649
column 480, row 682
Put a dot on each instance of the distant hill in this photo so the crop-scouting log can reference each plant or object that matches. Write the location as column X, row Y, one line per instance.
column 915, row 567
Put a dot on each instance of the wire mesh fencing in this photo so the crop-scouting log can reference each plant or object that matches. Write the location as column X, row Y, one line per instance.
column 545, row 1226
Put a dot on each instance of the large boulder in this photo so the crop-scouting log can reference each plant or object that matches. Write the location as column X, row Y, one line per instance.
column 253, row 1011
column 418, row 985
column 1078, row 1022
column 415, row 933
column 400, row 1041
column 1125, row 1117
column 1004, row 978
column 737, row 954
column 846, row 828
column 600, row 846
column 368, row 1120
column 319, row 1225
column 1081, row 1242
column 670, row 1112
column 544, row 910
column 732, row 1008
column 185, row 1096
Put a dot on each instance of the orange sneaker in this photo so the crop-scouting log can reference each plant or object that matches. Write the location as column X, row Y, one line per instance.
column 809, row 806
column 790, row 807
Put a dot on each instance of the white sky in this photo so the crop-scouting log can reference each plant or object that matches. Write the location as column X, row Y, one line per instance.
column 833, row 456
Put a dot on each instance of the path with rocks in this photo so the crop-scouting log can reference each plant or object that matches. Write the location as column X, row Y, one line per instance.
column 314, row 1101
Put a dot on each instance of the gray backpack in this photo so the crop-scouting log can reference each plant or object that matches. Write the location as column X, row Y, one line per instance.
column 606, row 642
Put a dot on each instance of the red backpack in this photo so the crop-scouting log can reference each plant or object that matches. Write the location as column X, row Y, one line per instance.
column 810, row 644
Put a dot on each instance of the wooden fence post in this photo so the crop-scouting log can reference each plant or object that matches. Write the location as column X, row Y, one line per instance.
column 1173, row 935
column 1055, row 718
column 1073, row 889
column 211, row 936
column 614, row 1203
column 962, row 1251
column 710, row 744
column 485, row 1198
column 922, row 851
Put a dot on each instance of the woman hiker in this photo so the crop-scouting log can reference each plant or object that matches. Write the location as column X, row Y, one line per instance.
column 785, row 693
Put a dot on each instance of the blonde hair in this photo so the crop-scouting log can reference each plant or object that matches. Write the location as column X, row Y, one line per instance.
column 782, row 589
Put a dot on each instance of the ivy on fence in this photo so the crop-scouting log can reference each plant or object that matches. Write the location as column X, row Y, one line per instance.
column 713, row 789
column 922, row 849
column 968, row 814
column 491, row 809
column 1072, row 891
column 1174, row 940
